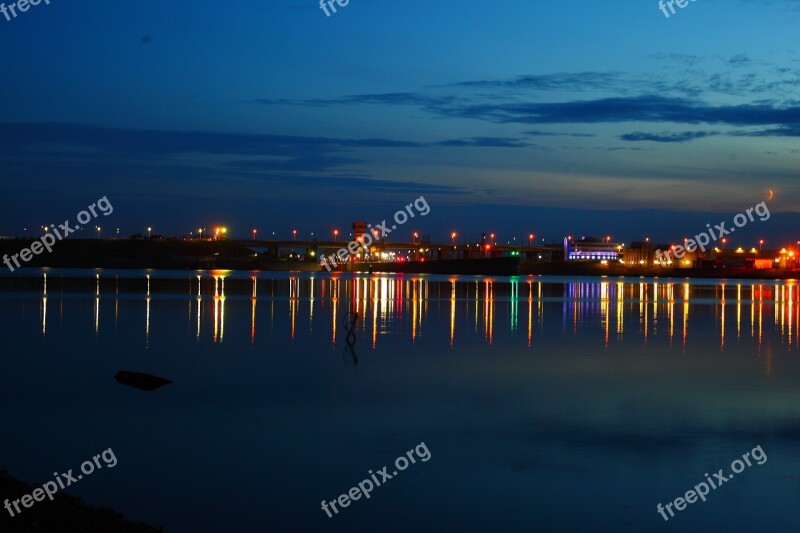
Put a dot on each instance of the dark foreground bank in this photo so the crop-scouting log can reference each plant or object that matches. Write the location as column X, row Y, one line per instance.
column 64, row 513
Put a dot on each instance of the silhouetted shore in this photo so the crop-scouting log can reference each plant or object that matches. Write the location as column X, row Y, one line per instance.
column 65, row 513
column 177, row 254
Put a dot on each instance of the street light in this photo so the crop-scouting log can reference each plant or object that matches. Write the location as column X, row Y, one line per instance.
column 724, row 240
column 530, row 240
column 453, row 236
column 492, row 239
column 98, row 232
column 294, row 234
column 200, row 231
column 416, row 236
column 254, row 233
column 149, row 232
column 760, row 244
column 335, row 235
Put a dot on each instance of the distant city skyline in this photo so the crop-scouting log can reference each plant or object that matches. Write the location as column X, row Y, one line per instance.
column 691, row 222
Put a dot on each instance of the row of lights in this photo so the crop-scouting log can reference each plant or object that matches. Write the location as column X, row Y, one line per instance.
column 607, row 239
column 224, row 230
column 221, row 230
column 46, row 229
column 724, row 241
column 453, row 235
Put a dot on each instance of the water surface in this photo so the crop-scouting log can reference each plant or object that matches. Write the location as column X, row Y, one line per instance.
column 557, row 404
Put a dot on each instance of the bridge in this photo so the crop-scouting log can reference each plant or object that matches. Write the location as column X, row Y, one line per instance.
column 404, row 251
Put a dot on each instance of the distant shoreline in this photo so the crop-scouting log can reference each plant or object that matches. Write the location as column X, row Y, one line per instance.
column 229, row 255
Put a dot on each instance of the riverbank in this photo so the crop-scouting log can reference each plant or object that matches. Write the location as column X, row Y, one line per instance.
column 171, row 254
column 64, row 513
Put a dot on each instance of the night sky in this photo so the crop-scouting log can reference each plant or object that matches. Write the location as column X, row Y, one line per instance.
column 519, row 116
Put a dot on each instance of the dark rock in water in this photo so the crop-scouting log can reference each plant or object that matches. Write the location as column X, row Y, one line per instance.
column 140, row 381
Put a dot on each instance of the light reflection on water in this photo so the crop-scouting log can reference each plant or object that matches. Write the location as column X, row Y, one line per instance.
column 563, row 404
column 651, row 307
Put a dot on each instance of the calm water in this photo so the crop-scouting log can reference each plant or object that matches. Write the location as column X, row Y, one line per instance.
column 547, row 403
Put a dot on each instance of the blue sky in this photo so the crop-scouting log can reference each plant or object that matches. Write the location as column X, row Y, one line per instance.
column 575, row 116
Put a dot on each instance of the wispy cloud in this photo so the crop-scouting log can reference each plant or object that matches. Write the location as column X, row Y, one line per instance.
column 494, row 142
column 539, row 133
column 562, row 81
column 681, row 137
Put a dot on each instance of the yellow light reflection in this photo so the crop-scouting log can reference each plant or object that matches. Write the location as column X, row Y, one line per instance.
column 643, row 317
column 253, row 299
column 199, row 300
column 488, row 311
column 739, row 312
column 752, row 310
column 334, row 308
column 375, row 312
column 44, row 305
column 147, row 315
column 685, row 313
column 414, row 313
column 294, row 291
column 310, row 303
column 219, row 308
column 97, row 306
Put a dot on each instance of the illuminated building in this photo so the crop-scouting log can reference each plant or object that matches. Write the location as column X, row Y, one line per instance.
column 591, row 249
column 359, row 229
